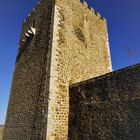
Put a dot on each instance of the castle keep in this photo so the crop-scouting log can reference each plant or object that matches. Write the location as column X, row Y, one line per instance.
column 63, row 42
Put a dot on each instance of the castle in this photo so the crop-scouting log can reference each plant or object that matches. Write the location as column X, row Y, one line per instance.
column 63, row 43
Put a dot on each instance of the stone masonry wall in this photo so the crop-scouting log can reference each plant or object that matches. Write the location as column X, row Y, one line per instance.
column 70, row 45
column 83, row 42
column 106, row 107
column 26, row 115
column 80, row 50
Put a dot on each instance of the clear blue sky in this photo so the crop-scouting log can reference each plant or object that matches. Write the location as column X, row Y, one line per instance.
column 124, row 31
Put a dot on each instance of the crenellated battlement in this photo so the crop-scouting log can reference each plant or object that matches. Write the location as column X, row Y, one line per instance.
column 34, row 10
column 92, row 9
column 86, row 6
column 39, row 7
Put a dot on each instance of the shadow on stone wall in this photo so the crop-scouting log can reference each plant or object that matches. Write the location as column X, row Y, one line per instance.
column 106, row 107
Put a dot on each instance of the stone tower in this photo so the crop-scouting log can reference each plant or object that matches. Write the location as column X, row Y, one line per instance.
column 62, row 42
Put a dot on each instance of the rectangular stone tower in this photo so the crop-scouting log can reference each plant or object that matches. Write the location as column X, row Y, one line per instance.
column 62, row 42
